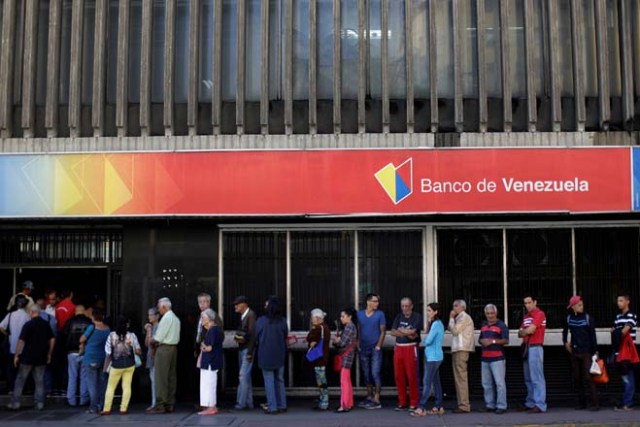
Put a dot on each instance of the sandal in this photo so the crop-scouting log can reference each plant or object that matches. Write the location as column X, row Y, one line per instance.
column 436, row 411
column 418, row 413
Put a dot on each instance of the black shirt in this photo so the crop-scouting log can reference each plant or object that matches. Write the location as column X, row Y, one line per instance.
column 412, row 322
column 583, row 333
column 74, row 329
column 36, row 334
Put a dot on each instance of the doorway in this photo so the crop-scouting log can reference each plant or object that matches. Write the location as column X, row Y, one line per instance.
column 88, row 284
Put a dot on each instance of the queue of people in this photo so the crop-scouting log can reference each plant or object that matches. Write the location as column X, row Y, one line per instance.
column 99, row 359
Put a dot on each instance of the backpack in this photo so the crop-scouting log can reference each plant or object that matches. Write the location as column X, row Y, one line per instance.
column 122, row 354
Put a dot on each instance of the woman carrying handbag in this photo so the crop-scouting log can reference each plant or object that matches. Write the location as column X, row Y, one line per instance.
column 319, row 338
column 346, row 342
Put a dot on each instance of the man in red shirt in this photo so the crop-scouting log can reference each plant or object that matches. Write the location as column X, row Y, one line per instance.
column 65, row 309
column 532, row 332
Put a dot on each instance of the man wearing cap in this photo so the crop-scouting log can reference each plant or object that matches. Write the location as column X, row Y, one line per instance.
column 532, row 329
column 581, row 347
column 245, row 337
column 27, row 289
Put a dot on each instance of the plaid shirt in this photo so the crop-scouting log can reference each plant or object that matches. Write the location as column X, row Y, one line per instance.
column 348, row 338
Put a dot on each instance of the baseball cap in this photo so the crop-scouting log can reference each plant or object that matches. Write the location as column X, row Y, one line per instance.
column 574, row 300
column 28, row 284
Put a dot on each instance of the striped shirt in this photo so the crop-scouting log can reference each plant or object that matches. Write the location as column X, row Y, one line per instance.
column 537, row 318
column 627, row 319
column 494, row 331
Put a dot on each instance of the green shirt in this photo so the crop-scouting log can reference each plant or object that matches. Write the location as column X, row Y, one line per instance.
column 168, row 331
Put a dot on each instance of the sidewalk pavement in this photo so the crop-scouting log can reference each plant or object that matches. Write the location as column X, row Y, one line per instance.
column 300, row 414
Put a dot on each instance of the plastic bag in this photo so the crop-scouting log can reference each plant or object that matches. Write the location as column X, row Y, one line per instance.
column 595, row 368
column 603, row 378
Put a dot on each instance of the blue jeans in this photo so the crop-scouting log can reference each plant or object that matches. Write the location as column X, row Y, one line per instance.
column 534, row 379
column 371, row 362
column 494, row 385
column 75, row 373
column 431, row 379
column 274, row 388
column 96, row 385
column 244, row 397
column 38, row 379
column 629, row 381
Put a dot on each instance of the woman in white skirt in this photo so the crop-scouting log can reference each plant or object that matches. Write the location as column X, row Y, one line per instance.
column 210, row 362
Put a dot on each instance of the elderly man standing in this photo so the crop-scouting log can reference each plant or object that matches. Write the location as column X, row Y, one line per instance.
column 534, row 325
column 166, row 341
column 494, row 335
column 246, row 339
column 406, row 329
column 33, row 353
column 461, row 327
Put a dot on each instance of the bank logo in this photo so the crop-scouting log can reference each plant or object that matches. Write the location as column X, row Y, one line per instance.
column 397, row 181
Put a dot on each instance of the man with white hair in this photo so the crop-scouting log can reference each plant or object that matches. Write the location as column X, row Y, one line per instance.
column 461, row 327
column 494, row 335
column 33, row 353
column 165, row 340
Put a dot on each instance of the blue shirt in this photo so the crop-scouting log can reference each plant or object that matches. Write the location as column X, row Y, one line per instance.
column 370, row 328
column 94, row 346
column 433, row 342
column 271, row 336
column 213, row 359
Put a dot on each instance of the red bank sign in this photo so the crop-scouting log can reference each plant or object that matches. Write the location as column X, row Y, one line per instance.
column 322, row 182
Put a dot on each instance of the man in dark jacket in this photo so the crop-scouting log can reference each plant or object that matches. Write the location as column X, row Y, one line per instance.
column 582, row 347
column 246, row 339
column 33, row 353
column 74, row 329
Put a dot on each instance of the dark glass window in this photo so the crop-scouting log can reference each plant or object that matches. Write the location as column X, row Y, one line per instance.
column 606, row 264
column 254, row 265
column 321, row 275
column 470, row 268
column 539, row 261
column 41, row 55
column 390, row 264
